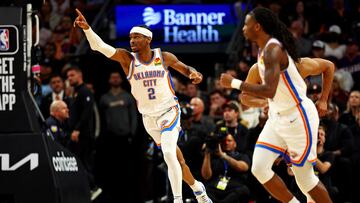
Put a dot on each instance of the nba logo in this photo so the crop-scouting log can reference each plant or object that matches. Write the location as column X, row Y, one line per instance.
column 4, row 39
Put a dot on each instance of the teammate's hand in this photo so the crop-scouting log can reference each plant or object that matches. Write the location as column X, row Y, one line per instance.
column 321, row 108
column 81, row 21
column 196, row 77
column 225, row 80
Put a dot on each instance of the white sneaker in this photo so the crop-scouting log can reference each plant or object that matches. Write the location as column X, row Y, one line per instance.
column 95, row 193
column 201, row 195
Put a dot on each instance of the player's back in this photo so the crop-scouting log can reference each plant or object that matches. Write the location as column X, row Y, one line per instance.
column 291, row 89
column 151, row 84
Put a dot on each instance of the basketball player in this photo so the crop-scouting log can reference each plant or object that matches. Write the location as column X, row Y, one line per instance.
column 291, row 129
column 151, row 85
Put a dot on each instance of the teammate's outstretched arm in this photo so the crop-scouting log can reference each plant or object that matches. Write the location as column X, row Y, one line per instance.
column 317, row 66
column 172, row 61
column 272, row 55
column 247, row 99
column 96, row 43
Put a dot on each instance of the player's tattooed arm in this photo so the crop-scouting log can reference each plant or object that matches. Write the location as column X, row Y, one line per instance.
column 272, row 55
column 172, row 61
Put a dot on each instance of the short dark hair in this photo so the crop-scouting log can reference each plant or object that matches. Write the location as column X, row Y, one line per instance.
column 55, row 76
column 74, row 68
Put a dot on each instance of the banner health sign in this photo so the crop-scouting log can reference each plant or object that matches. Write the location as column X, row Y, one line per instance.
column 178, row 24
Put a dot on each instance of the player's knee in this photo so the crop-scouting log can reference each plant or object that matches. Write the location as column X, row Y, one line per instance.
column 305, row 177
column 263, row 174
column 307, row 183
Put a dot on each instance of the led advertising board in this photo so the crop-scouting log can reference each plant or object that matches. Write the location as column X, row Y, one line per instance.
column 184, row 26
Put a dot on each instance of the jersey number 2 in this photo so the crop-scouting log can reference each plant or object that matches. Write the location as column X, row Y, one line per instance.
column 151, row 92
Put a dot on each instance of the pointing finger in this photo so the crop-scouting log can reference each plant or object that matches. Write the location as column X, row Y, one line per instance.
column 78, row 12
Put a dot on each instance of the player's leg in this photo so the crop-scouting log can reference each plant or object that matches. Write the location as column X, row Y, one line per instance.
column 169, row 124
column 267, row 149
column 152, row 128
column 309, row 183
column 197, row 187
column 305, row 154
column 263, row 160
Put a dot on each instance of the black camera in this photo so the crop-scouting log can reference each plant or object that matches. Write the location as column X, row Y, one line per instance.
column 186, row 110
column 215, row 138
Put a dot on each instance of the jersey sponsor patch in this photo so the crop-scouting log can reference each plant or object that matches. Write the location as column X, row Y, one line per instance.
column 157, row 61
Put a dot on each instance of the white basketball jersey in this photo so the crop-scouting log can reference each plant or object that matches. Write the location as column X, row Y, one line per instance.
column 291, row 89
column 151, row 84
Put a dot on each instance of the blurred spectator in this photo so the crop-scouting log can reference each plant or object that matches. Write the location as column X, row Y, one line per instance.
column 318, row 49
column 45, row 74
column 314, row 92
column 200, row 122
column 72, row 34
column 303, row 45
column 338, row 15
column 62, row 45
column 226, row 172
column 353, row 107
column 234, row 125
column 338, row 95
column 49, row 51
column 244, row 67
column 56, row 123
column 301, row 16
column 351, row 61
column 231, row 93
column 60, row 7
column 217, row 100
column 119, row 124
column 57, row 86
column 332, row 45
column 180, row 90
column 49, row 19
column 339, row 142
column 193, row 90
column 355, row 129
column 324, row 162
column 118, row 110
column 81, row 123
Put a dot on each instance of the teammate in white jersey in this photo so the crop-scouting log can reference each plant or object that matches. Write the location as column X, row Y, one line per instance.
column 291, row 130
column 151, row 85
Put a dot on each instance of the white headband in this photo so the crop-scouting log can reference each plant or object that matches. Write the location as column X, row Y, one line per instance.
column 142, row 31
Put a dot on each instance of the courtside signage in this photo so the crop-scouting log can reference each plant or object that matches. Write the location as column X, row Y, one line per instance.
column 173, row 24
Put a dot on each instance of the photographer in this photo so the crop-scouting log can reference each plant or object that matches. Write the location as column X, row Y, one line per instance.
column 233, row 123
column 225, row 170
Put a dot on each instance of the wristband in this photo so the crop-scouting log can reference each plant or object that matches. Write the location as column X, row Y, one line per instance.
column 236, row 83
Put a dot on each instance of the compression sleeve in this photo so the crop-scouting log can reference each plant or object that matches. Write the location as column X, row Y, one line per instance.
column 97, row 44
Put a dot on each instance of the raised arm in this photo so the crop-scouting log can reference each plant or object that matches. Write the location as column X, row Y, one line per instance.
column 253, row 77
column 317, row 66
column 272, row 55
column 96, row 43
column 172, row 61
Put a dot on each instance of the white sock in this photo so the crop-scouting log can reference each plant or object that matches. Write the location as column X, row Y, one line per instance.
column 178, row 199
column 294, row 200
column 196, row 186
